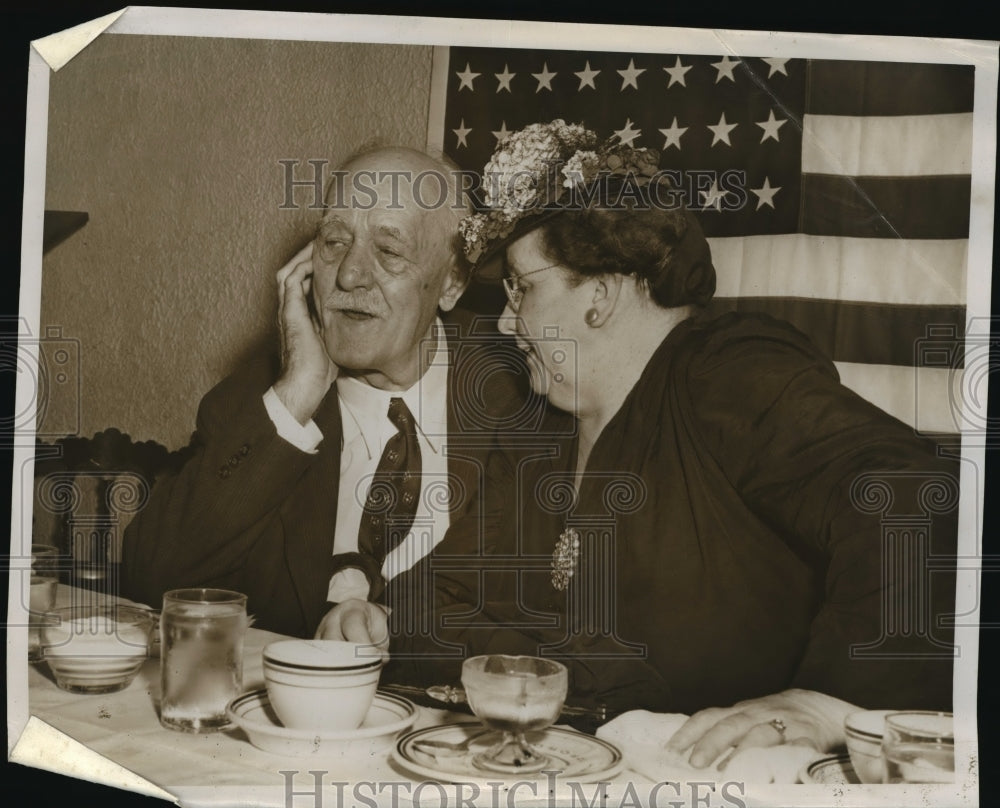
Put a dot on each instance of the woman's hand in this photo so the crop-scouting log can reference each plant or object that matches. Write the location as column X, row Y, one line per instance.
column 803, row 717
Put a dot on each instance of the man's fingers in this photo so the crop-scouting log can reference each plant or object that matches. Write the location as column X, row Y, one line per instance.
column 293, row 306
column 354, row 627
column 329, row 626
column 295, row 281
column 302, row 256
column 378, row 626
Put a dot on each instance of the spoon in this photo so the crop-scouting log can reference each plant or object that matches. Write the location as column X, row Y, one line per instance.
column 446, row 748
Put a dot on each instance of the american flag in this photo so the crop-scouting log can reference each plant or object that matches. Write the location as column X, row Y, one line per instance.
column 835, row 194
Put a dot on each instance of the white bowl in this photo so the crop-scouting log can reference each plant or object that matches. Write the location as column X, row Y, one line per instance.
column 863, row 731
column 95, row 649
column 387, row 716
column 320, row 685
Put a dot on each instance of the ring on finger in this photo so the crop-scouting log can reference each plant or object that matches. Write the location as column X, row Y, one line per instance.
column 779, row 726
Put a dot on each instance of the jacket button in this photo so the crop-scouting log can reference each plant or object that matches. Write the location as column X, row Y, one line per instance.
column 234, row 461
column 244, row 450
column 224, row 472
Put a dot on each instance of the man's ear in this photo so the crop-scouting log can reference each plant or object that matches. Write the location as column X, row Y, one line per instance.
column 456, row 280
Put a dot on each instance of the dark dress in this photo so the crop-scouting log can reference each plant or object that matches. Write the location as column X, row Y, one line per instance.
column 735, row 540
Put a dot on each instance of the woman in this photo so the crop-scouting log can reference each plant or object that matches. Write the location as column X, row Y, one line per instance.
column 686, row 534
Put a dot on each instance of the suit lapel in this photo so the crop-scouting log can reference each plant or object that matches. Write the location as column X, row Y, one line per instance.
column 309, row 516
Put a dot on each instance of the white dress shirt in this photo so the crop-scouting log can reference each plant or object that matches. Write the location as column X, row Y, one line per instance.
column 366, row 429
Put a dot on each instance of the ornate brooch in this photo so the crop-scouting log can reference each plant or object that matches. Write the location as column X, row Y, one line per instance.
column 564, row 558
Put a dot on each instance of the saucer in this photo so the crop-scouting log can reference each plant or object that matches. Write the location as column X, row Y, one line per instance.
column 833, row 770
column 574, row 755
column 387, row 716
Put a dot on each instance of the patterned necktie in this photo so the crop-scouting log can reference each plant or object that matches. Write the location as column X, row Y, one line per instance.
column 393, row 495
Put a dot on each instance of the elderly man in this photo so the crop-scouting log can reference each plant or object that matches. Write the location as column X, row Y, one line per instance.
column 317, row 479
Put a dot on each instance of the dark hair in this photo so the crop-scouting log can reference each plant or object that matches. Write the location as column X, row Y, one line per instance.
column 663, row 248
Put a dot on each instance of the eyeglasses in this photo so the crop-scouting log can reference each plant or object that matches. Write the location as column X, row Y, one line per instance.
column 515, row 292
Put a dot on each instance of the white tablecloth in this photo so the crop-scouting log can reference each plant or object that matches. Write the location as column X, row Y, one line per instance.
column 223, row 768
column 199, row 769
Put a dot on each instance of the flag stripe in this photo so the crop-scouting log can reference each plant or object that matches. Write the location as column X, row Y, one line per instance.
column 921, row 397
column 888, row 88
column 881, row 207
column 891, row 146
column 855, row 332
column 902, row 271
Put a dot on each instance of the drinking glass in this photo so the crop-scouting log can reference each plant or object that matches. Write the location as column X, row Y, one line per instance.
column 514, row 695
column 201, row 657
column 919, row 747
column 44, row 582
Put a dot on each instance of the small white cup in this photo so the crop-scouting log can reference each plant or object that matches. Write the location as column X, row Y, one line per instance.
column 321, row 684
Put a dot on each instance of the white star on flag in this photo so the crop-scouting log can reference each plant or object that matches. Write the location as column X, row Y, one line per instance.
column 502, row 132
column 677, row 73
column 771, row 127
column 630, row 75
column 765, row 194
column 587, row 77
column 777, row 66
column 721, row 130
column 672, row 135
column 544, row 78
column 504, row 79
column 627, row 133
column 461, row 132
column 713, row 197
column 725, row 68
column 466, row 78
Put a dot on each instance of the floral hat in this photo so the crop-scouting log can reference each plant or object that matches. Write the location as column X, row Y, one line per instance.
column 542, row 170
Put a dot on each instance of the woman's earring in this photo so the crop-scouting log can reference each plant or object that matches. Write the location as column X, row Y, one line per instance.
column 591, row 317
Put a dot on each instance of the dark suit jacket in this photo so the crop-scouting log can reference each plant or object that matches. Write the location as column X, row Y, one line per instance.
column 251, row 512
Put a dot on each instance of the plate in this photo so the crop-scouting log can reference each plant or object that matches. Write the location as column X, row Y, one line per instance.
column 833, row 770
column 576, row 756
column 388, row 716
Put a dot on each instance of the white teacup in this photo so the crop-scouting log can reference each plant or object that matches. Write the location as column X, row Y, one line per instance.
column 321, row 684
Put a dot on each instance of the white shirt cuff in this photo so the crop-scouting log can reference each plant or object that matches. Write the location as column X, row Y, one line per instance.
column 347, row 583
column 305, row 437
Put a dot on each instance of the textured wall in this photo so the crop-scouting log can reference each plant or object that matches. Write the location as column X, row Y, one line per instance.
column 172, row 146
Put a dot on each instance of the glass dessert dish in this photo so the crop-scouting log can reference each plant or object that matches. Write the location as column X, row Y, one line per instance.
column 514, row 696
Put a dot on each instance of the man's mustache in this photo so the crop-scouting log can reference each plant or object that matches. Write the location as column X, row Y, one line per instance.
column 338, row 301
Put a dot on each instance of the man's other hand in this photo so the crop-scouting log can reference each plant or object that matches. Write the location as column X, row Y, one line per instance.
column 358, row 621
column 306, row 369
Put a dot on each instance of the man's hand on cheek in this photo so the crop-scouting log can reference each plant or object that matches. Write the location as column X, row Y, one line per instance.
column 306, row 369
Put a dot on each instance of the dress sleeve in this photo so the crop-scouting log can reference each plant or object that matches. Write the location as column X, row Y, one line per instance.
column 853, row 491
